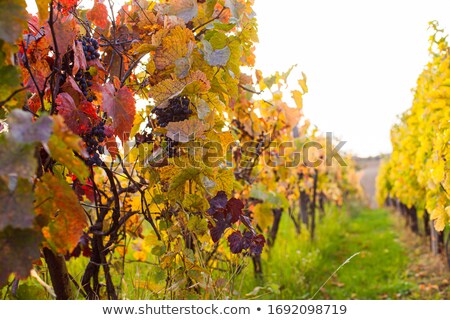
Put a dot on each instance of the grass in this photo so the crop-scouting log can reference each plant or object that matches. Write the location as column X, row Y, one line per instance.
column 296, row 269
column 387, row 263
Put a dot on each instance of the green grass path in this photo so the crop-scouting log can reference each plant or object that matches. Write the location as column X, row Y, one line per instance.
column 378, row 271
column 295, row 268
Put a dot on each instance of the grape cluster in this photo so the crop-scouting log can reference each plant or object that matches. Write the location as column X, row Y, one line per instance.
column 178, row 110
column 90, row 47
column 84, row 80
column 93, row 139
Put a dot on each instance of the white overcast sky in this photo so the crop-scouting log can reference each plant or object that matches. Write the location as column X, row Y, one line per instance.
column 361, row 57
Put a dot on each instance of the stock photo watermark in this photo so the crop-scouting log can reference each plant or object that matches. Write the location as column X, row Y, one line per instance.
column 191, row 151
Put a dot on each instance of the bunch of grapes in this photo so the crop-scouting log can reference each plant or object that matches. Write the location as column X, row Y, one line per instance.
column 84, row 80
column 93, row 139
column 90, row 47
column 178, row 110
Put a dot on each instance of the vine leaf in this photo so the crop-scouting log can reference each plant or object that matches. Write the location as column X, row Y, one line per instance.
column 79, row 119
column 10, row 80
column 65, row 30
column 234, row 207
column 13, row 17
column 185, row 131
column 68, row 3
column 198, row 225
column 23, row 130
column 165, row 90
column 17, row 158
column 217, row 57
column 79, row 59
column 61, row 142
column 121, row 107
column 224, row 213
column 184, row 9
column 239, row 242
column 16, row 208
column 196, row 82
column 178, row 181
column 58, row 206
column 98, row 15
column 43, row 9
column 18, row 249
column 178, row 44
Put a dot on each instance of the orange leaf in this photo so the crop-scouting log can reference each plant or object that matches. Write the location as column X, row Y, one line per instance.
column 121, row 107
column 186, row 130
column 98, row 15
column 58, row 205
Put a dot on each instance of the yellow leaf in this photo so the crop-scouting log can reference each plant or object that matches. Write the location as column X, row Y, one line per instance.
column 174, row 46
column 195, row 203
column 196, row 82
column 302, row 83
column 298, row 98
column 263, row 215
column 43, row 9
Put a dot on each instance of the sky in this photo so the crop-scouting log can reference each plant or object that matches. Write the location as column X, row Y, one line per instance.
column 361, row 58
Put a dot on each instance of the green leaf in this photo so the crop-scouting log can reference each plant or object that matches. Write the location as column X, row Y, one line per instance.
column 10, row 80
column 16, row 208
column 18, row 249
column 177, row 185
column 159, row 250
column 195, row 203
column 13, row 19
column 224, row 26
column 198, row 225
column 218, row 40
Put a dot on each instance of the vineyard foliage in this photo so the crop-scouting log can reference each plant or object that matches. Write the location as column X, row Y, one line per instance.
column 417, row 172
column 140, row 137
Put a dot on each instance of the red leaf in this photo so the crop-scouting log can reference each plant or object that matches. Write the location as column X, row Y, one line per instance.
column 66, row 30
column 121, row 107
column 111, row 146
column 239, row 242
column 218, row 202
column 79, row 60
column 68, row 3
column 80, row 120
column 257, row 244
column 235, row 206
column 98, row 15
